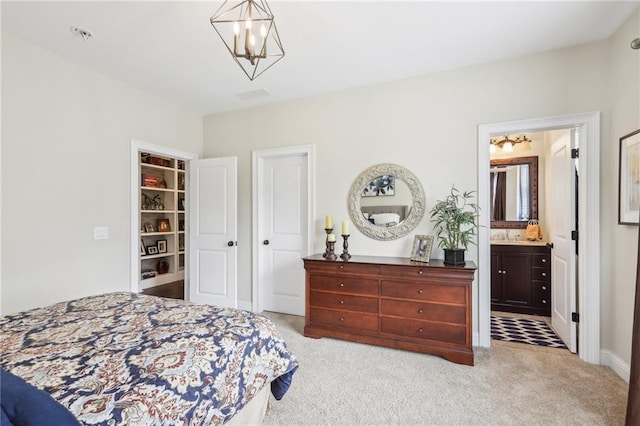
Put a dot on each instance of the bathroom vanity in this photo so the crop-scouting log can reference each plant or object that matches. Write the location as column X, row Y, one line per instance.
column 521, row 277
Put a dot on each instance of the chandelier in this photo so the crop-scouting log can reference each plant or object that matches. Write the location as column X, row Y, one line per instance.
column 507, row 144
column 249, row 32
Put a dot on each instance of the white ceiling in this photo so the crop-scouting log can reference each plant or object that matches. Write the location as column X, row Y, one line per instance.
column 169, row 49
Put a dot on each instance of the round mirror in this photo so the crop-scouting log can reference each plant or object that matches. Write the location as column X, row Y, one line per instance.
column 386, row 202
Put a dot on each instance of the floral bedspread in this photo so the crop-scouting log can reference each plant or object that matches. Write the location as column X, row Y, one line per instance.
column 126, row 358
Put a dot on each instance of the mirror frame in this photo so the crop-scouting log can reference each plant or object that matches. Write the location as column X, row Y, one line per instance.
column 533, row 190
column 394, row 232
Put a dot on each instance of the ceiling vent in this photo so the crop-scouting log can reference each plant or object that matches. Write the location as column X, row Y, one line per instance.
column 253, row 94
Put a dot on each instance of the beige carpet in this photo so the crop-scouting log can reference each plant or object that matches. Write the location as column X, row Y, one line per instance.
column 345, row 383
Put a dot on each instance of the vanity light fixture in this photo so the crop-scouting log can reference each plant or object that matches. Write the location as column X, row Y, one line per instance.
column 507, row 144
column 248, row 30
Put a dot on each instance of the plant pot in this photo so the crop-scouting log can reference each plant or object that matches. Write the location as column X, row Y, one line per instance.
column 454, row 257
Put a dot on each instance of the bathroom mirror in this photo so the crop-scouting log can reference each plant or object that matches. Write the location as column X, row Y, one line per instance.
column 386, row 202
column 513, row 192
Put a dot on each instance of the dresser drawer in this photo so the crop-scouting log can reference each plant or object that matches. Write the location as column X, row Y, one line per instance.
column 450, row 333
column 418, row 291
column 541, row 274
column 424, row 311
column 342, row 301
column 344, row 284
column 403, row 271
column 353, row 320
column 331, row 267
column 542, row 288
column 540, row 260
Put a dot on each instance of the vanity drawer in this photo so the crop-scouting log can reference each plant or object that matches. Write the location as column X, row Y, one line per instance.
column 542, row 288
column 353, row 320
column 424, row 311
column 541, row 274
column 540, row 260
column 418, row 291
column 344, row 284
column 424, row 330
column 541, row 301
column 342, row 301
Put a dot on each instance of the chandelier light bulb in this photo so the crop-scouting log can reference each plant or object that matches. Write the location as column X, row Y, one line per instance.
column 263, row 31
column 236, row 28
column 248, row 23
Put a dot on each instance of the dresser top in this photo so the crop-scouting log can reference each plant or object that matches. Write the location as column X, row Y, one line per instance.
column 385, row 260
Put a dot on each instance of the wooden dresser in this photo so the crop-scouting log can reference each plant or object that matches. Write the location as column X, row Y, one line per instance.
column 393, row 302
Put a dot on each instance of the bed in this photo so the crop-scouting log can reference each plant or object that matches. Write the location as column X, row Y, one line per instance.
column 385, row 216
column 134, row 359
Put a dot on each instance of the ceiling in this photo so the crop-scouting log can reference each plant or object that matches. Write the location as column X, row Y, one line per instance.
column 170, row 50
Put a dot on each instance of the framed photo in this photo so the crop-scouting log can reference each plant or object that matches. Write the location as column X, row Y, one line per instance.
column 629, row 180
column 181, row 225
column 162, row 246
column 421, row 251
column 148, row 227
column 143, row 250
column 380, row 186
column 180, row 203
column 152, row 250
column 163, row 225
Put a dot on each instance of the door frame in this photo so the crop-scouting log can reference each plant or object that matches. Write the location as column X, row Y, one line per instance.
column 588, row 272
column 137, row 146
column 257, row 158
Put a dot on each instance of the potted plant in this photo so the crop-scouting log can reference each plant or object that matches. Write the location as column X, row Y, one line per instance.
column 455, row 224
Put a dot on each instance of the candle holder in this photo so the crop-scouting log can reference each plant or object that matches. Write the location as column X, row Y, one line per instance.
column 330, row 253
column 326, row 242
column 345, row 248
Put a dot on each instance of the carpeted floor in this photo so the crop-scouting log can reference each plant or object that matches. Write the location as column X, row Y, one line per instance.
column 345, row 383
column 524, row 330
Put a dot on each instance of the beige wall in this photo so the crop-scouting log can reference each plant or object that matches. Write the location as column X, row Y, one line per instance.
column 619, row 243
column 65, row 168
column 429, row 125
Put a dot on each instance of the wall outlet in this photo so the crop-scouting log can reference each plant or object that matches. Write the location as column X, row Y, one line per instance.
column 101, row 233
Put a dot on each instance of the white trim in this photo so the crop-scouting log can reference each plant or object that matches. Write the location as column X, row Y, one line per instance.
column 245, row 305
column 137, row 146
column 588, row 228
column 309, row 151
column 620, row 367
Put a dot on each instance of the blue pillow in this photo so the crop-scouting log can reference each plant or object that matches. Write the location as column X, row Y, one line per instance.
column 25, row 405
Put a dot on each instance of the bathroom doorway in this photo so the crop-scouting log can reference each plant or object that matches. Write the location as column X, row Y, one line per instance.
column 586, row 292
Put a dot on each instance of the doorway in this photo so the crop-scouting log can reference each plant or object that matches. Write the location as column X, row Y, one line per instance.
column 283, row 195
column 588, row 126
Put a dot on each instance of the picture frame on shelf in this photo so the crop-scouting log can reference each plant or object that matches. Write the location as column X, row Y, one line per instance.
column 152, row 250
column 162, row 246
column 143, row 249
column 163, row 225
column 148, row 227
column 181, row 225
column 421, row 250
column 181, row 204
column 629, row 180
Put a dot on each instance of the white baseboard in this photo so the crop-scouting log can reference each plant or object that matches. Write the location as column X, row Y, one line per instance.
column 247, row 306
column 620, row 367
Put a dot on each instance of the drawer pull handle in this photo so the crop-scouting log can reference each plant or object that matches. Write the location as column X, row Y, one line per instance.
column 420, row 330
column 342, row 302
column 341, row 284
column 341, row 318
column 420, row 311
column 420, row 291
column 544, row 302
column 341, row 266
column 544, row 274
column 544, row 260
column 544, row 287
column 420, row 272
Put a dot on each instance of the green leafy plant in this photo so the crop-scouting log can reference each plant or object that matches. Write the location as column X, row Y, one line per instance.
column 455, row 220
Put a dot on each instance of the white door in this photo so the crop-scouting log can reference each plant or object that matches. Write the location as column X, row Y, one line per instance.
column 282, row 232
column 563, row 260
column 213, row 231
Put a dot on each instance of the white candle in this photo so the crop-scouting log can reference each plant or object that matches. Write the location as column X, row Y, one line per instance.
column 328, row 222
column 345, row 227
column 331, row 237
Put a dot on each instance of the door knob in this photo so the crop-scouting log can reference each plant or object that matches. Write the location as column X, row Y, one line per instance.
column 230, row 243
column 265, row 242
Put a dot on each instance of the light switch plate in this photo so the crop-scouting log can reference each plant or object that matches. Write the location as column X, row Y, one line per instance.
column 101, row 233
